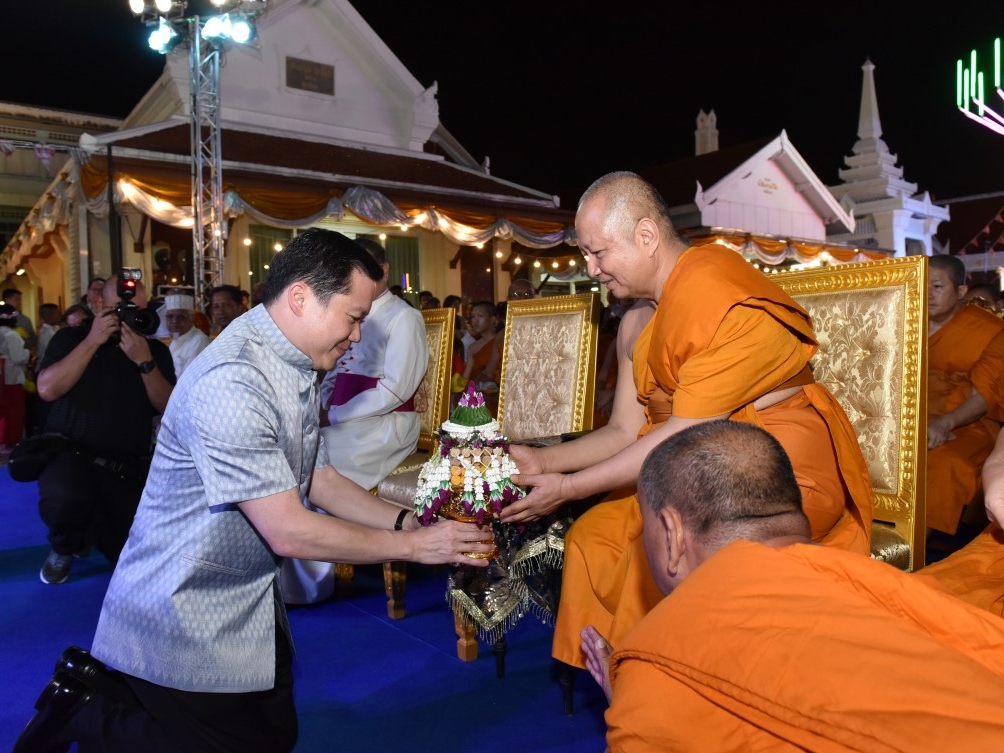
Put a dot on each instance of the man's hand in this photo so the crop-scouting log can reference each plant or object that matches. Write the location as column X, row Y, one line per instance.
column 939, row 431
column 102, row 327
column 549, row 492
column 597, row 652
column 448, row 541
column 135, row 346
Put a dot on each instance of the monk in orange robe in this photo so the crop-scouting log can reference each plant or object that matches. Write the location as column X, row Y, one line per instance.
column 768, row 642
column 725, row 342
column 965, row 392
column 479, row 365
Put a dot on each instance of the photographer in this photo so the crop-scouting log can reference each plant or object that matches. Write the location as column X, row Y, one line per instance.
column 105, row 383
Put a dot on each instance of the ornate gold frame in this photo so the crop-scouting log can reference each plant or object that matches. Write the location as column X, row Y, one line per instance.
column 432, row 401
column 529, row 327
column 900, row 500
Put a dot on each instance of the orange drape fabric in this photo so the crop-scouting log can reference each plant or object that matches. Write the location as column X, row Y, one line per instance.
column 974, row 573
column 722, row 336
column 808, row 648
column 967, row 353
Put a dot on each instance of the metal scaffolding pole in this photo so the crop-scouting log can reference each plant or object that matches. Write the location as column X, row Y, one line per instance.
column 209, row 231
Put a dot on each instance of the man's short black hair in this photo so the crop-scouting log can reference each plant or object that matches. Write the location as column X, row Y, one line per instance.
column 10, row 293
column 231, row 290
column 323, row 260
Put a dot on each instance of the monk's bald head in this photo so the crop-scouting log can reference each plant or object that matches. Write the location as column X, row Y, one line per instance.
column 627, row 198
column 727, row 481
column 952, row 266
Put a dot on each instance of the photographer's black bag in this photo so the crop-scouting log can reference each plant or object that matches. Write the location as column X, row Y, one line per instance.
column 30, row 456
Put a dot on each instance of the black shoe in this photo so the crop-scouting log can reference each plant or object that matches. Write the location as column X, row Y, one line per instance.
column 79, row 663
column 46, row 731
column 56, row 568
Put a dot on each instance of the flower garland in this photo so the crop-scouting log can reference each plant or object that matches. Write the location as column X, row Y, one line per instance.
column 487, row 488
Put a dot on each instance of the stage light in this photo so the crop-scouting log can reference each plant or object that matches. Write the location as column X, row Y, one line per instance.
column 217, row 27
column 163, row 6
column 242, row 31
column 137, row 6
column 163, row 38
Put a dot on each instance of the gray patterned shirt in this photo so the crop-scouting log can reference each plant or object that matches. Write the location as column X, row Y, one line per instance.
column 193, row 603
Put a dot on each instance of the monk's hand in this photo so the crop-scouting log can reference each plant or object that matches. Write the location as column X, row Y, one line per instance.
column 526, row 458
column 597, row 651
column 939, row 431
column 450, row 542
column 548, row 493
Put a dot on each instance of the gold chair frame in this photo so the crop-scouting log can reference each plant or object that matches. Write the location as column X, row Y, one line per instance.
column 432, row 400
column 550, row 345
column 870, row 319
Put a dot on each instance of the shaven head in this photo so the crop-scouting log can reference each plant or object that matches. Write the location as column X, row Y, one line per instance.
column 628, row 198
column 952, row 266
column 728, row 481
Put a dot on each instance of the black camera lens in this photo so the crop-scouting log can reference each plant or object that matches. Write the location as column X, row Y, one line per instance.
column 143, row 321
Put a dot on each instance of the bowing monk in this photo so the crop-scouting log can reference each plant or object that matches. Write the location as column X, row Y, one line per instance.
column 965, row 392
column 768, row 642
column 724, row 342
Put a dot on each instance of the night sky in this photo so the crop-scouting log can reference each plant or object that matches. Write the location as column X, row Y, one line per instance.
column 556, row 96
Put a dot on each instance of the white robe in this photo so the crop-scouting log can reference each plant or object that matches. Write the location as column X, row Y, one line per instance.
column 184, row 348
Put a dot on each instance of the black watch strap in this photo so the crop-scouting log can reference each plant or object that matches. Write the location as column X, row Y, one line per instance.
column 147, row 366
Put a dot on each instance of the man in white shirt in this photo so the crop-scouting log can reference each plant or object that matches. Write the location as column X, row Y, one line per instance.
column 187, row 340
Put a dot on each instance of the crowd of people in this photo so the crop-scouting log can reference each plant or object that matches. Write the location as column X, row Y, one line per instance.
column 737, row 507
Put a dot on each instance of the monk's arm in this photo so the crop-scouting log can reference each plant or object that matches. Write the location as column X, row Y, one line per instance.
column 993, row 482
column 551, row 490
column 623, row 468
column 939, row 430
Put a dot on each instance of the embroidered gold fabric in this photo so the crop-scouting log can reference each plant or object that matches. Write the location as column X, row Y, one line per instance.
column 871, row 322
column 549, row 366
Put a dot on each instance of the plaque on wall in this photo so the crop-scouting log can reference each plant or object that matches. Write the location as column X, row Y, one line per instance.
column 310, row 76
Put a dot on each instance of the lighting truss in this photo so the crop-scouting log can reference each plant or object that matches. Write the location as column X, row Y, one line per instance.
column 205, row 39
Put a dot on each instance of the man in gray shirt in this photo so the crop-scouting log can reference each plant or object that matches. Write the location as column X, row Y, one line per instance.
column 192, row 622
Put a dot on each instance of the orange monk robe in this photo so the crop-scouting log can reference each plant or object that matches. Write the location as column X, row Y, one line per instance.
column 966, row 354
column 807, row 648
column 722, row 336
column 974, row 573
column 480, row 359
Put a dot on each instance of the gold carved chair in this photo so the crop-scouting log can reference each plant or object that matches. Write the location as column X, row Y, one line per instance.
column 871, row 322
column 547, row 390
column 432, row 402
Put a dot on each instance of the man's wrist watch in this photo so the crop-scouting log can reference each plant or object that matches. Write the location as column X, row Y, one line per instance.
column 146, row 367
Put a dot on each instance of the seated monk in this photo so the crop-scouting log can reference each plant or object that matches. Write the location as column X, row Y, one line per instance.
column 479, row 364
column 965, row 392
column 765, row 641
column 724, row 342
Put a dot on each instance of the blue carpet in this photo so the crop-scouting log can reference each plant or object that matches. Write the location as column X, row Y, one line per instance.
column 364, row 682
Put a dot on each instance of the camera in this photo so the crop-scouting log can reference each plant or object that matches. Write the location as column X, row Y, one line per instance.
column 142, row 321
